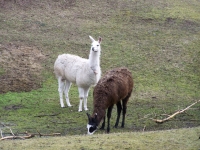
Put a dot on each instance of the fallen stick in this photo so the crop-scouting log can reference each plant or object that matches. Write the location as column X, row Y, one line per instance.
column 17, row 137
column 176, row 113
column 40, row 134
column 29, row 135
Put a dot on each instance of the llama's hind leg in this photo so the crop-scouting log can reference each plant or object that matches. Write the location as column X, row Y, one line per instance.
column 124, row 105
column 61, row 85
column 119, row 108
column 86, row 91
column 81, row 97
column 66, row 91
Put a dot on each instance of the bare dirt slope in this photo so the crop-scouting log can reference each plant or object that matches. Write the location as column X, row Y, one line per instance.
column 21, row 67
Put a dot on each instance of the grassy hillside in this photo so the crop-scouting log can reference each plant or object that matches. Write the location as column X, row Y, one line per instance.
column 159, row 41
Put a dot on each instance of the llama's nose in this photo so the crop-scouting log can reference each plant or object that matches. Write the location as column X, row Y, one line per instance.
column 93, row 48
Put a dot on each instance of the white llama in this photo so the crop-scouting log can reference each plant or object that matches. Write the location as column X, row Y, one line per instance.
column 83, row 72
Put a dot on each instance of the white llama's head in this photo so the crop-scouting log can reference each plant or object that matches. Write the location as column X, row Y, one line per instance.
column 95, row 46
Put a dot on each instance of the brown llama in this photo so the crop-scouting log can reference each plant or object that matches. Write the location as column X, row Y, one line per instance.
column 114, row 87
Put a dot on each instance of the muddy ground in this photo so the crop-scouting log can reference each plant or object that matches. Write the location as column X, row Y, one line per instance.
column 21, row 68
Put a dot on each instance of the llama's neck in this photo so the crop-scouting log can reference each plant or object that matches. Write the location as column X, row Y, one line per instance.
column 100, row 106
column 100, row 115
column 94, row 60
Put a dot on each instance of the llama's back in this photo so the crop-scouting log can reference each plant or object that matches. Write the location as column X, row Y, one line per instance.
column 115, row 85
column 74, row 69
column 122, row 77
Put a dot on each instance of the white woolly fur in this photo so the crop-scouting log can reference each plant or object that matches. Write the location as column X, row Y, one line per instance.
column 80, row 71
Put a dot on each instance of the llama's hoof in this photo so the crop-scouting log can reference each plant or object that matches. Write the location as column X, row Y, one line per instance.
column 115, row 126
column 70, row 105
column 86, row 109
column 80, row 110
column 101, row 128
column 62, row 106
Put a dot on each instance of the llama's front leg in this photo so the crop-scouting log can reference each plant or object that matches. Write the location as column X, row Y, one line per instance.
column 66, row 90
column 85, row 104
column 103, row 124
column 109, row 112
column 86, row 91
column 81, row 96
column 61, row 85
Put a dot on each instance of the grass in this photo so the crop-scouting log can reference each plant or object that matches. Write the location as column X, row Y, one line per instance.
column 183, row 139
column 158, row 41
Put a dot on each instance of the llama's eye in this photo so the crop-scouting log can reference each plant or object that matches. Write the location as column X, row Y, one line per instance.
column 97, row 45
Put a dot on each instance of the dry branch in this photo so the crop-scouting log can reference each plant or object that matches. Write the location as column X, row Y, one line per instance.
column 176, row 113
column 17, row 137
column 27, row 136
column 40, row 134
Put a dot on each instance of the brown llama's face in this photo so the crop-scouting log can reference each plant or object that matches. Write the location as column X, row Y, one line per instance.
column 92, row 124
column 91, row 129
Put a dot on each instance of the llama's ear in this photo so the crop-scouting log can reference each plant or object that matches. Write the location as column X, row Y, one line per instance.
column 95, row 115
column 91, row 38
column 100, row 39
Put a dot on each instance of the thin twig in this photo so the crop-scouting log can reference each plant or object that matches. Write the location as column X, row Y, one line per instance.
column 12, row 132
column 40, row 134
column 1, row 133
column 144, row 128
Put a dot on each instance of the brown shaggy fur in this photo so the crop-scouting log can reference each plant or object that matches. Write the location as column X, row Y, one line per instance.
column 115, row 86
